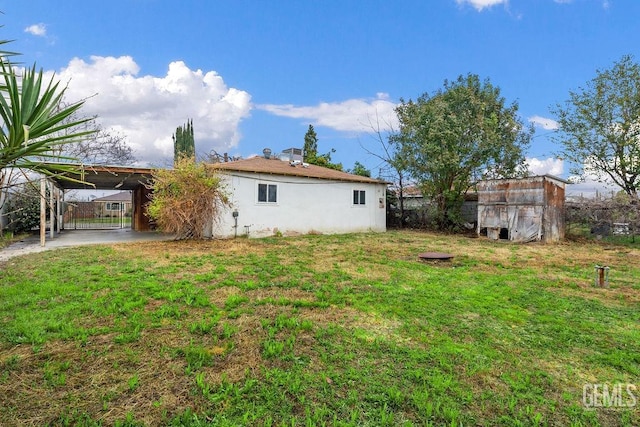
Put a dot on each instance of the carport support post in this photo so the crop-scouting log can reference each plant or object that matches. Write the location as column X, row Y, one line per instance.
column 43, row 211
column 58, row 210
column 52, row 218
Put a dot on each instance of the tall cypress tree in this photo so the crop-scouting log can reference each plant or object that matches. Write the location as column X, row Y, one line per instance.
column 183, row 142
column 310, row 149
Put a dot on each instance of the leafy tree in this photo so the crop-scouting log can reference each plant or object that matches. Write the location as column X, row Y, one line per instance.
column 361, row 170
column 460, row 134
column 183, row 142
column 394, row 164
column 599, row 127
column 310, row 152
column 187, row 199
column 324, row 160
column 310, row 149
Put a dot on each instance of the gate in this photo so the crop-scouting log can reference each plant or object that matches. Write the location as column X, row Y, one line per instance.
column 96, row 215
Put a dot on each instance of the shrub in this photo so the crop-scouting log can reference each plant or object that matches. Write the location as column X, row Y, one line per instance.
column 23, row 208
column 187, row 199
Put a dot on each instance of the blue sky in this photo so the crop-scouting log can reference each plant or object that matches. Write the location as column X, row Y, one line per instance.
column 255, row 74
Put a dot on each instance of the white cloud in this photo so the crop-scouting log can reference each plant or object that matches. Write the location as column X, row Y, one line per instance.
column 546, row 166
column 590, row 182
column 37, row 30
column 606, row 4
column 544, row 123
column 148, row 109
column 587, row 187
column 352, row 115
column 482, row 4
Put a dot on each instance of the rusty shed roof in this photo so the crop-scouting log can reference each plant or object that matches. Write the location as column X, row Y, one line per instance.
column 525, row 179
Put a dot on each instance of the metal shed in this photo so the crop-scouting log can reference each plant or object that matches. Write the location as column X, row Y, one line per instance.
column 523, row 209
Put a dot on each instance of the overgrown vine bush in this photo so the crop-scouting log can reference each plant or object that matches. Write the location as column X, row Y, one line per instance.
column 187, row 199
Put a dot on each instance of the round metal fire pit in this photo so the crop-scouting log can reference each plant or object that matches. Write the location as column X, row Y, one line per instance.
column 435, row 256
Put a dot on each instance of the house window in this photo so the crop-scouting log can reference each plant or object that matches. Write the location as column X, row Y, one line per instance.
column 113, row 206
column 359, row 197
column 267, row 193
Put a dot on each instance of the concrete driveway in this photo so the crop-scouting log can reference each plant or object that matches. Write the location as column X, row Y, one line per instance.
column 69, row 238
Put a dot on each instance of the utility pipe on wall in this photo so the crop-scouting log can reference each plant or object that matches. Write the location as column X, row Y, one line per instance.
column 235, row 227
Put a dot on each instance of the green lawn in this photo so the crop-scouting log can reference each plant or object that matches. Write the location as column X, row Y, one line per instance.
column 345, row 330
column 98, row 222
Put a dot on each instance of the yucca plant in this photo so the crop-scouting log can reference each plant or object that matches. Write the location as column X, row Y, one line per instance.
column 33, row 119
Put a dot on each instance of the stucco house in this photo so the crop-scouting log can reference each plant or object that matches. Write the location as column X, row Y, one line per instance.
column 114, row 205
column 271, row 196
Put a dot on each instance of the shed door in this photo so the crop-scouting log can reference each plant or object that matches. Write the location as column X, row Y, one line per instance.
column 525, row 223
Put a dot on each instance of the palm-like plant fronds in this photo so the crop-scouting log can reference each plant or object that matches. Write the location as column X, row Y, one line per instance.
column 32, row 121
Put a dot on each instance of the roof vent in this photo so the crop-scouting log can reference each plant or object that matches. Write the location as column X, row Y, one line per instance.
column 267, row 153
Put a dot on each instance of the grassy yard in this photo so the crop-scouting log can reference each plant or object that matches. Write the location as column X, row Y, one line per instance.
column 8, row 237
column 346, row 330
column 85, row 223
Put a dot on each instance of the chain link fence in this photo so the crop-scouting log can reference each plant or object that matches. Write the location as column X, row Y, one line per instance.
column 615, row 219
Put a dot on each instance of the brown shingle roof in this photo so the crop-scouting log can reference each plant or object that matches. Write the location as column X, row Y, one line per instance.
column 279, row 167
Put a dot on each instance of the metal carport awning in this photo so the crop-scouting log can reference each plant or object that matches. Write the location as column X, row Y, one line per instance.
column 101, row 177
column 98, row 177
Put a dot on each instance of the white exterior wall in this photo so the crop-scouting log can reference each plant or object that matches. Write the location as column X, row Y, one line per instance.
column 303, row 205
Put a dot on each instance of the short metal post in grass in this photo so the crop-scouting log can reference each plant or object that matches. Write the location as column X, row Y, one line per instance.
column 602, row 276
